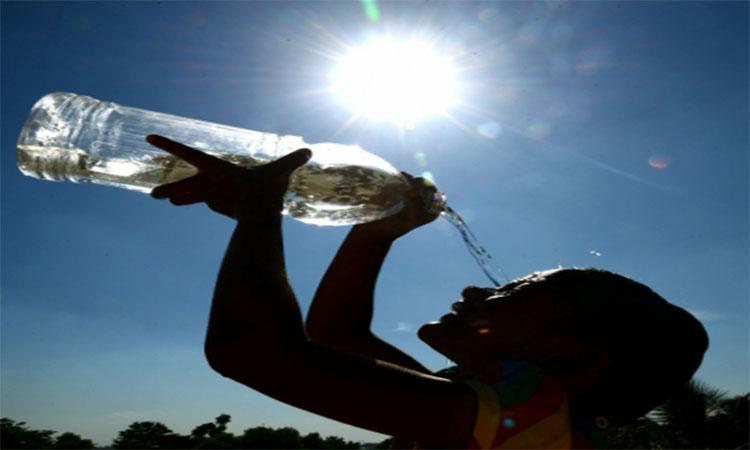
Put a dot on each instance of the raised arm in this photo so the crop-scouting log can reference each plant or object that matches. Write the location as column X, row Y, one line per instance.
column 341, row 312
column 256, row 335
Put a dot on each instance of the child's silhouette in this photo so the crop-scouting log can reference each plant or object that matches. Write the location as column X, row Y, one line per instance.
column 546, row 361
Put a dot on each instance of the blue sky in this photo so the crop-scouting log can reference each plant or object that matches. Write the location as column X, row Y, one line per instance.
column 105, row 292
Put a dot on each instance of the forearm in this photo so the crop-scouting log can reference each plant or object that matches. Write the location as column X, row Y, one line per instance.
column 343, row 303
column 254, row 307
column 254, row 311
column 342, row 310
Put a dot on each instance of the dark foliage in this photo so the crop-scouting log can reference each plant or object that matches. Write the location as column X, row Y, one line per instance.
column 17, row 435
column 697, row 416
column 72, row 441
column 148, row 435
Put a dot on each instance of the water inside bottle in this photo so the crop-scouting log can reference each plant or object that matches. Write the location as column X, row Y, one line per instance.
column 78, row 166
column 342, row 194
column 480, row 254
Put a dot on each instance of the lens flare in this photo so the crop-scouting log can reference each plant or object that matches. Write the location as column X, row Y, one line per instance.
column 490, row 130
column 509, row 423
column 659, row 161
column 371, row 10
column 538, row 130
column 421, row 159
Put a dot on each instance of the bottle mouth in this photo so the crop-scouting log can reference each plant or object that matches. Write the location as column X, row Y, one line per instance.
column 48, row 128
column 43, row 126
column 53, row 119
column 437, row 202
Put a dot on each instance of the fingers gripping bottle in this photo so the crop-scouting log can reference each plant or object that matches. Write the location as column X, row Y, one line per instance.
column 69, row 137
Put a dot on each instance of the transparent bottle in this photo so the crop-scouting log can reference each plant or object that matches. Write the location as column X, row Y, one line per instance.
column 70, row 137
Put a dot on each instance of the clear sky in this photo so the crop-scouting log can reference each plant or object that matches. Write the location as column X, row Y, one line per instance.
column 599, row 134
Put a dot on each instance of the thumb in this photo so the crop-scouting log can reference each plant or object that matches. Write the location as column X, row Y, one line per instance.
column 291, row 161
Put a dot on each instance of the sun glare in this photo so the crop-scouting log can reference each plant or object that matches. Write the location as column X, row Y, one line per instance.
column 397, row 81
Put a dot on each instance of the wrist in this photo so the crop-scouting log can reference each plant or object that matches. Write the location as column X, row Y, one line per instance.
column 259, row 217
column 374, row 231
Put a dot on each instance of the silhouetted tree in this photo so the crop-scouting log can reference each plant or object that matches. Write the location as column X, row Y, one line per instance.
column 256, row 437
column 290, row 438
column 313, row 441
column 152, row 435
column 335, row 442
column 16, row 435
column 72, row 441
column 685, row 416
column 734, row 421
column 287, row 437
column 214, row 435
column 264, row 437
column 222, row 420
column 699, row 416
column 385, row 444
column 644, row 433
column 696, row 416
column 148, row 435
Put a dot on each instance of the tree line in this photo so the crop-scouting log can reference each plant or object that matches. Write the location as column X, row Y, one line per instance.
column 698, row 416
column 156, row 435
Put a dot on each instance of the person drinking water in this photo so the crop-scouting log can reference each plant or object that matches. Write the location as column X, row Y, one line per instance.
column 549, row 360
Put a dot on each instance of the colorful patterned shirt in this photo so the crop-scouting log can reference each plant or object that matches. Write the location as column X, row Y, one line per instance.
column 521, row 407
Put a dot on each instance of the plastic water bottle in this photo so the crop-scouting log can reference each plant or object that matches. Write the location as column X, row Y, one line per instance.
column 69, row 137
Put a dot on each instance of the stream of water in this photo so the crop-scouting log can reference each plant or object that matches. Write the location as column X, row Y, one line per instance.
column 480, row 254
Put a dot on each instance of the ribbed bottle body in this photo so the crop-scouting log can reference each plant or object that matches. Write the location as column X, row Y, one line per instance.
column 69, row 137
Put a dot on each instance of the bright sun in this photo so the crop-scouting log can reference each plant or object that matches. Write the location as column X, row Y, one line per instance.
column 397, row 81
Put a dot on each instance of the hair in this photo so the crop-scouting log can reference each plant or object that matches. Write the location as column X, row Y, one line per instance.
column 654, row 347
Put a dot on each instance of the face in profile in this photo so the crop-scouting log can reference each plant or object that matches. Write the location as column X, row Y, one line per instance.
column 524, row 320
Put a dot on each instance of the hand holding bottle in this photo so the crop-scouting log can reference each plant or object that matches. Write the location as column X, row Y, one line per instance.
column 241, row 193
column 421, row 206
